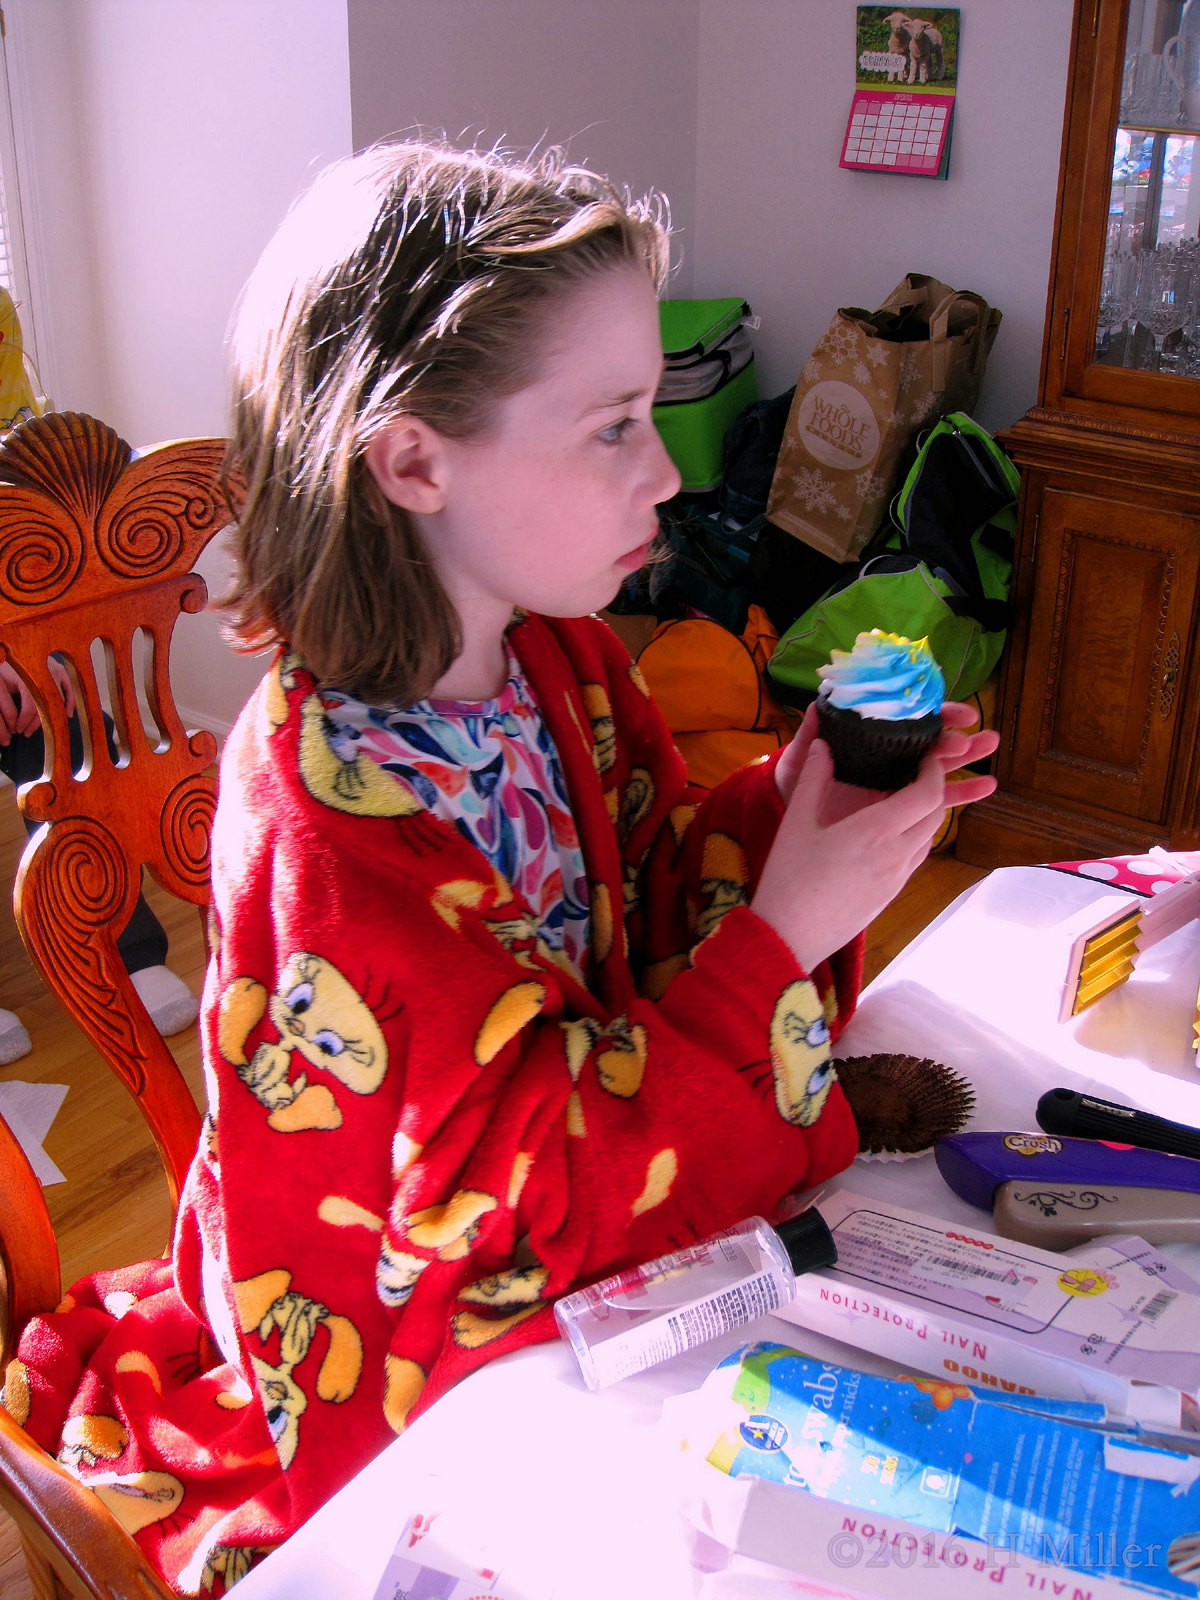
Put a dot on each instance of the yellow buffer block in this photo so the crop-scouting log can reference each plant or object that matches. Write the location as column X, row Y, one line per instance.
column 1108, row 960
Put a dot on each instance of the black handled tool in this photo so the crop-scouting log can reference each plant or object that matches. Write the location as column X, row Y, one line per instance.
column 1082, row 1116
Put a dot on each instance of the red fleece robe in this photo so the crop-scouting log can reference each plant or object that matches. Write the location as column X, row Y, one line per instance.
column 423, row 1128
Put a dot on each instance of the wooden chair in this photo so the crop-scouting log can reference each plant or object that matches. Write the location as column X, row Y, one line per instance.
column 95, row 545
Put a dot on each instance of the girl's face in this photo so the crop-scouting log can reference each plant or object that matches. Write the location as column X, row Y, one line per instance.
column 553, row 505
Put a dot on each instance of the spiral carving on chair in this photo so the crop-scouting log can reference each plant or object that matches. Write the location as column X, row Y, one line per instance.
column 187, row 820
column 76, row 505
column 141, row 530
column 87, row 876
column 141, row 540
column 39, row 555
column 76, row 884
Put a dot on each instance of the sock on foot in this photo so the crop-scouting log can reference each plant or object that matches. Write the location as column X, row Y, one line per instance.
column 14, row 1041
column 171, row 1004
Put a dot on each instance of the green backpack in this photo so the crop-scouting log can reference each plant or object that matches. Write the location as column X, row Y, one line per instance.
column 942, row 574
column 708, row 378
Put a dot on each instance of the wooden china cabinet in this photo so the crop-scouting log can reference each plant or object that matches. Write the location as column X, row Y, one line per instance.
column 1101, row 691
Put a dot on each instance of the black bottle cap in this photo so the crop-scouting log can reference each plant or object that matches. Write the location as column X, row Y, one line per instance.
column 808, row 1241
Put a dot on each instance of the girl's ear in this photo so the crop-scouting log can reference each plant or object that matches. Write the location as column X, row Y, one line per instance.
column 407, row 460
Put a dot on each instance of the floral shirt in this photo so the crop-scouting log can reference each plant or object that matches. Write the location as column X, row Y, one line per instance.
column 490, row 769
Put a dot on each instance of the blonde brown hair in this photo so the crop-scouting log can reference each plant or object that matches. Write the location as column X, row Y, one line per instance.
column 413, row 278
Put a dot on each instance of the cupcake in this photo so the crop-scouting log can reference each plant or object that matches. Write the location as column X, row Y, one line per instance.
column 879, row 708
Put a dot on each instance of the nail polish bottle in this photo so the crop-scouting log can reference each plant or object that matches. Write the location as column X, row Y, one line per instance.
column 638, row 1318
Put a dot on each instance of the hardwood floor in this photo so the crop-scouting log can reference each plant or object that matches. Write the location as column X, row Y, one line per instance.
column 113, row 1207
column 14, row 1580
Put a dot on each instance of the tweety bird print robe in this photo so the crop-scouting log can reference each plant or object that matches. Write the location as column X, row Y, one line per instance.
column 423, row 1126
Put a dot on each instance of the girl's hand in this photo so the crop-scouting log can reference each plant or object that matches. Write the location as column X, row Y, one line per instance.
column 18, row 710
column 843, row 853
column 65, row 687
column 18, row 714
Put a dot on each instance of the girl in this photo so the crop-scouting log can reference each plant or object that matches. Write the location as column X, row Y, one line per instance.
column 496, row 1004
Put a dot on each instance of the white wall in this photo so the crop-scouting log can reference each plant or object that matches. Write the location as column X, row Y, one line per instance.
column 56, row 201
column 195, row 125
column 778, row 221
column 613, row 79
column 736, row 108
column 162, row 140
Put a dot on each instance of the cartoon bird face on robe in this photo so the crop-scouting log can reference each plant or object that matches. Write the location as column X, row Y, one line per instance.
column 320, row 1016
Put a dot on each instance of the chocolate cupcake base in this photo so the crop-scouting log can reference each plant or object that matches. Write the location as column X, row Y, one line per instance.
column 872, row 752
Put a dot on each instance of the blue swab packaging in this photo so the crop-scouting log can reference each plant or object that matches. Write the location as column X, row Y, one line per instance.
column 1036, row 1487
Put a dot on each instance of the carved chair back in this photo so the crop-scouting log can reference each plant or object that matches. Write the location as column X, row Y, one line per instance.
column 95, row 545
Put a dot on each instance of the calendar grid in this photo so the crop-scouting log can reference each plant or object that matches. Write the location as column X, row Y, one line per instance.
column 889, row 131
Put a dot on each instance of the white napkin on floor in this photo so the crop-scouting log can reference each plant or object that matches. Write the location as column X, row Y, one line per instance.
column 29, row 1109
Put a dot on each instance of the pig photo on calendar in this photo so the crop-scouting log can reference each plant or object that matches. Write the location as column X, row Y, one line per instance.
column 916, row 50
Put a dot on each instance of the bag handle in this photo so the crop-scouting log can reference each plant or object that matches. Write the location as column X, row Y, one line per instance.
column 922, row 293
column 939, row 324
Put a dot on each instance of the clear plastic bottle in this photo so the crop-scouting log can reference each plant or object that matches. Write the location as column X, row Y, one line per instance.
column 649, row 1314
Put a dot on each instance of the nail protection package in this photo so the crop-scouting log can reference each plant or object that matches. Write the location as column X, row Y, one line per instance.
column 945, row 1459
column 1119, row 1324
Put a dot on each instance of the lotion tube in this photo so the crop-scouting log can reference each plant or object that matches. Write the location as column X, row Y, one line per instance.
column 638, row 1318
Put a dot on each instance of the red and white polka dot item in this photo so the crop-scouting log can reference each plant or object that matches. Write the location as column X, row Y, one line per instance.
column 1142, row 874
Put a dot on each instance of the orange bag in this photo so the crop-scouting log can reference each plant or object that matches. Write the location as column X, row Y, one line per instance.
column 709, row 686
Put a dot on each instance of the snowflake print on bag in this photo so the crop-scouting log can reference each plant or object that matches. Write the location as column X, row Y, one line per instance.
column 839, row 344
column 862, row 372
column 877, row 353
column 871, row 485
column 816, row 491
column 811, row 370
column 910, row 371
column 922, row 411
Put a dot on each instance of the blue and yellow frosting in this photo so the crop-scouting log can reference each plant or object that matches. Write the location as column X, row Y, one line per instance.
column 885, row 676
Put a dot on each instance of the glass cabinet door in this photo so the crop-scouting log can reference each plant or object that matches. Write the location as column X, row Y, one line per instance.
column 1149, row 311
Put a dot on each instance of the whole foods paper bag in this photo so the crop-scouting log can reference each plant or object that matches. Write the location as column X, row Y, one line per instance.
column 874, row 379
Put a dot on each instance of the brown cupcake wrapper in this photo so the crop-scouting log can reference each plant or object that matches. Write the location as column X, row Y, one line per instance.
column 873, row 753
column 902, row 1105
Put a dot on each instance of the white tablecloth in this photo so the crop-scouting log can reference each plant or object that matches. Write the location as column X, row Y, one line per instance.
column 574, row 1494
column 980, row 990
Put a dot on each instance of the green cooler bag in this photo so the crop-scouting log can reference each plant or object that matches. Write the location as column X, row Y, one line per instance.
column 708, row 378
column 943, row 575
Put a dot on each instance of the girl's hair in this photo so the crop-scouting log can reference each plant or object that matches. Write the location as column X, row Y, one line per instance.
column 413, row 278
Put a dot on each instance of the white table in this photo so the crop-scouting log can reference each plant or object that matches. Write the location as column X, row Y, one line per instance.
column 575, row 1494
column 980, row 990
